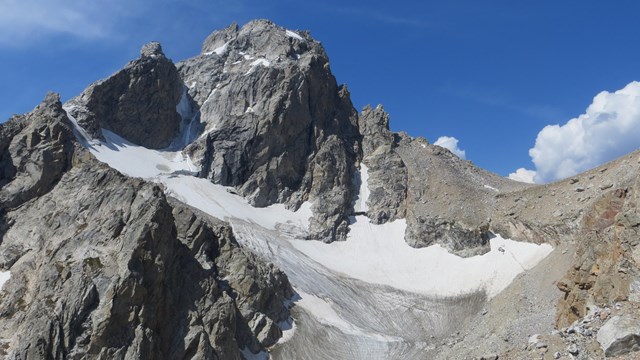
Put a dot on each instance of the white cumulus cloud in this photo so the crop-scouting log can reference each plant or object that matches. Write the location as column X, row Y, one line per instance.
column 451, row 143
column 609, row 128
column 523, row 175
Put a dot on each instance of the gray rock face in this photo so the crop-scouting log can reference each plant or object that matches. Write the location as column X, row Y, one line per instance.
column 374, row 128
column 138, row 102
column 34, row 152
column 410, row 178
column 387, row 174
column 445, row 200
column 620, row 335
column 103, row 266
column 277, row 126
column 152, row 49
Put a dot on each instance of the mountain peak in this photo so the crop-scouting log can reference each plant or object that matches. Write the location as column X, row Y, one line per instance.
column 151, row 49
column 260, row 38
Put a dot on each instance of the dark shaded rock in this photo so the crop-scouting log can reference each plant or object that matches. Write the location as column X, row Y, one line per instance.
column 387, row 174
column 138, row 102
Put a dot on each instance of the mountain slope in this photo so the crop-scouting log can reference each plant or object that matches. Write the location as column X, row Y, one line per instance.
column 105, row 266
column 223, row 165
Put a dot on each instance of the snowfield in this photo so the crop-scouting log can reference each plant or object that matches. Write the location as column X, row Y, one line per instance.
column 372, row 296
column 378, row 254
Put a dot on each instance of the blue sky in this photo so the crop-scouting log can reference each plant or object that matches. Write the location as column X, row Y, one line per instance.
column 492, row 74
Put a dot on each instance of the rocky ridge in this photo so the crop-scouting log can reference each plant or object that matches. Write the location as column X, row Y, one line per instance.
column 113, row 268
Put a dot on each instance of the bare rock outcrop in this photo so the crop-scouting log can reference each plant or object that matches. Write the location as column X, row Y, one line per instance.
column 138, row 102
column 445, row 200
column 607, row 263
column 620, row 335
column 387, row 173
column 35, row 150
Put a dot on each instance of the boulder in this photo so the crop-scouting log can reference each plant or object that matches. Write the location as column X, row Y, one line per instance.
column 620, row 335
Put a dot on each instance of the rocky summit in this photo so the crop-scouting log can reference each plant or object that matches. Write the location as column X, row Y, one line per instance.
column 235, row 205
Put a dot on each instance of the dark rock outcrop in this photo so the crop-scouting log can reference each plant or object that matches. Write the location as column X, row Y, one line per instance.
column 138, row 102
column 35, row 150
column 387, row 173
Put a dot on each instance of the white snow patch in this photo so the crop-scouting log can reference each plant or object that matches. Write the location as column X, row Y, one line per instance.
column 373, row 253
column 138, row 161
column 207, row 131
column 219, row 50
column 378, row 254
column 262, row 62
column 4, row 277
column 210, row 96
column 491, row 188
column 322, row 310
column 193, row 84
column 248, row 355
column 217, row 201
column 293, row 35
column 363, row 194
column 249, row 110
